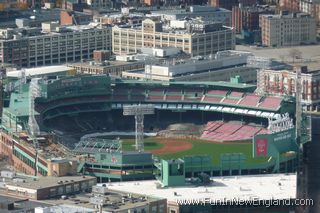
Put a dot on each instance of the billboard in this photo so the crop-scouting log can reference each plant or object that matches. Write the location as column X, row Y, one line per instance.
column 266, row 145
column 261, row 147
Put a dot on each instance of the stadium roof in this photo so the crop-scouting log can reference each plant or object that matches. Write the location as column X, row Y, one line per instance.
column 19, row 103
column 204, row 83
column 262, row 187
column 40, row 71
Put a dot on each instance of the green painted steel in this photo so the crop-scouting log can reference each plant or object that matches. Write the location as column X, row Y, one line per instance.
column 24, row 154
column 271, row 145
column 172, row 172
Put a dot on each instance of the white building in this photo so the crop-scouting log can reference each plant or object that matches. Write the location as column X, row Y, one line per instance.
column 199, row 38
column 219, row 67
column 206, row 13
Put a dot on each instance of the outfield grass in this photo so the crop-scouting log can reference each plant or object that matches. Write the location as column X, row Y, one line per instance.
column 215, row 151
column 149, row 144
column 200, row 148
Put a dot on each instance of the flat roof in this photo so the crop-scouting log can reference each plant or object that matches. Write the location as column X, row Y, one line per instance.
column 263, row 187
column 24, row 205
column 19, row 103
column 101, row 65
column 39, row 71
column 114, row 199
column 48, row 181
column 198, row 83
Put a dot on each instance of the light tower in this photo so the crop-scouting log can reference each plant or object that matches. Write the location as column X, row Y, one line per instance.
column 2, row 78
column 139, row 111
column 33, row 127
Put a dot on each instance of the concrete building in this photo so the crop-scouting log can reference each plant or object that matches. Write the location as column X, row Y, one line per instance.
column 206, row 13
column 220, row 67
column 113, row 68
column 15, row 205
column 8, row 17
column 48, row 187
column 311, row 7
column 66, row 44
column 307, row 6
column 283, row 82
column 105, row 201
column 130, row 18
column 100, row 4
column 228, row 4
column 198, row 39
column 287, row 29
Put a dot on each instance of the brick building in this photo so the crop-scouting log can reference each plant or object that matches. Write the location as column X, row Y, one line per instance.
column 74, row 18
column 283, row 82
column 290, row 5
column 247, row 18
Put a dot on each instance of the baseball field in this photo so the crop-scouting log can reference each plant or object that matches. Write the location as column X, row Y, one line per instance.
column 170, row 148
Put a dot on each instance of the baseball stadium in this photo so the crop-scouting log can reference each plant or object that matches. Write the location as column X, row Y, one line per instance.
column 78, row 122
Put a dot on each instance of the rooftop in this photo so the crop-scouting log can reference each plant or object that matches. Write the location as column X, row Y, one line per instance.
column 20, row 32
column 278, row 186
column 198, row 83
column 104, row 64
column 23, row 205
column 39, row 71
column 288, row 16
column 115, row 202
column 48, row 181
column 193, row 9
column 19, row 102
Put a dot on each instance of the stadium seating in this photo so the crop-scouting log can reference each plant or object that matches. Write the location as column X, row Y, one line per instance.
column 250, row 100
column 155, row 97
column 271, row 102
column 230, row 101
column 217, row 92
column 236, row 94
column 156, row 90
column 120, row 91
column 138, row 91
column 173, row 97
column 231, row 131
column 212, row 99
column 174, row 90
column 192, row 98
column 120, row 97
column 137, row 97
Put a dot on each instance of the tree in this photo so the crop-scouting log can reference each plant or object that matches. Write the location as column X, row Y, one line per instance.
column 295, row 54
